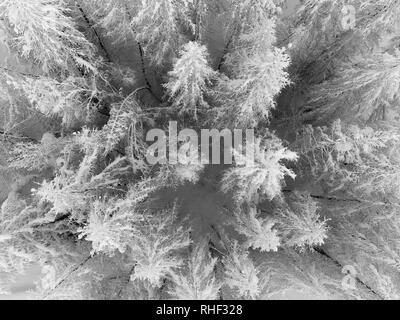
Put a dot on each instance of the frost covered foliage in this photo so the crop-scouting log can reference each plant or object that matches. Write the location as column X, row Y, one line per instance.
column 190, row 79
column 368, row 87
column 257, row 69
column 241, row 275
column 114, row 18
column 156, row 246
column 155, row 25
column 300, row 224
column 306, row 273
column 187, row 171
column 111, row 223
column 126, row 122
column 385, row 15
column 296, row 223
column 351, row 75
column 249, row 13
column 82, row 83
column 30, row 237
column 70, row 99
column 177, row 175
column 347, row 155
column 261, row 176
column 251, row 94
column 158, row 23
column 41, row 30
column 348, row 69
column 107, row 228
column 70, row 191
column 26, row 155
column 259, row 232
column 198, row 281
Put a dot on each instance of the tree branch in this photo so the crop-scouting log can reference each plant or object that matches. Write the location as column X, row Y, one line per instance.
column 20, row 73
column 326, row 255
column 226, row 48
column 68, row 275
column 320, row 197
column 85, row 17
column 141, row 55
column 126, row 282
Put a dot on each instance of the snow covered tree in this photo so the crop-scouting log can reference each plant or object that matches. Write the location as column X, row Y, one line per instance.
column 256, row 68
column 126, row 122
column 327, row 64
column 190, row 80
column 33, row 156
column 108, row 228
column 300, row 224
column 250, row 96
column 158, row 23
column 347, row 155
column 241, row 275
column 70, row 99
column 43, row 31
column 197, row 280
column 309, row 273
column 367, row 88
column 260, row 232
column 156, row 247
column 259, row 173
column 114, row 17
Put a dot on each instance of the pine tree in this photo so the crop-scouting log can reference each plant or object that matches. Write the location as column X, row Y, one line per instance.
column 158, row 24
column 241, row 275
column 70, row 99
column 197, row 281
column 155, row 249
column 261, row 177
column 300, row 224
column 257, row 68
column 190, row 79
column 108, row 229
column 345, row 155
column 367, row 88
column 42, row 31
column 259, row 232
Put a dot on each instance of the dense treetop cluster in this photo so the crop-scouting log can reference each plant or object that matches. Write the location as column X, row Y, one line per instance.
column 82, row 82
